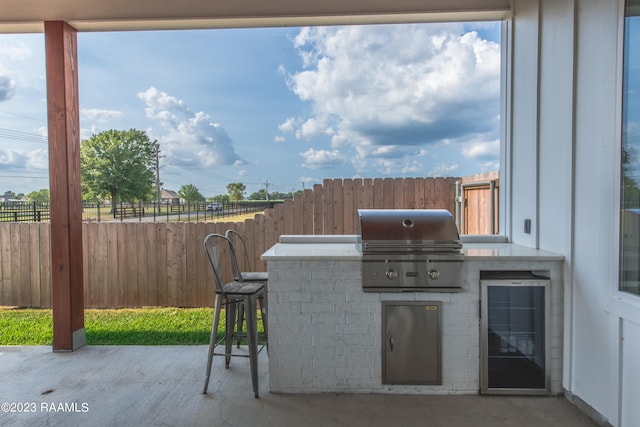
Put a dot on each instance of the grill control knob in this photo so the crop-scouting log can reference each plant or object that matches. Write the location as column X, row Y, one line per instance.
column 391, row 274
column 434, row 274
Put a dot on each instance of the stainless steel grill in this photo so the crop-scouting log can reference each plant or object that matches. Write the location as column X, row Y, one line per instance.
column 410, row 250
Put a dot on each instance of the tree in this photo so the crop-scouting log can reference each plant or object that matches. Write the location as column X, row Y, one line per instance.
column 220, row 198
column 630, row 189
column 190, row 193
column 40, row 196
column 261, row 194
column 119, row 165
column 236, row 191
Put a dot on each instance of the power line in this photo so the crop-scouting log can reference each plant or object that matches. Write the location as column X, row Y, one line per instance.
column 23, row 116
column 12, row 166
column 24, row 176
column 22, row 136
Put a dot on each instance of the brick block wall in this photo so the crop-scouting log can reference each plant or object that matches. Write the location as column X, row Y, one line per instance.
column 325, row 332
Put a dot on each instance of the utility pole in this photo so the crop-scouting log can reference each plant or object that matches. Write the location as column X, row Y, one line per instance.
column 266, row 185
column 158, row 202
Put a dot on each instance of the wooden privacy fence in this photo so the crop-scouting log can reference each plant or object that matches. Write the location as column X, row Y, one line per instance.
column 164, row 264
column 478, row 213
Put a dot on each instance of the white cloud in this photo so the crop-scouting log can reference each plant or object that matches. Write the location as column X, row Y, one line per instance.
column 13, row 49
column 490, row 166
column 311, row 128
column 443, row 170
column 189, row 138
column 388, row 166
column 288, row 125
column 388, row 91
column 279, row 139
column 37, row 159
column 309, row 181
column 481, row 149
column 412, row 167
column 397, row 166
column 7, row 87
column 321, row 159
column 12, row 158
column 166, row 109
column 99, row 115
column 18, row 55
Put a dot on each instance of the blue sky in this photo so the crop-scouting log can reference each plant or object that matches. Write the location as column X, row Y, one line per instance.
column 291, row 106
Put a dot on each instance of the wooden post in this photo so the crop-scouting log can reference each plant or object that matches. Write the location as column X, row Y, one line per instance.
column 64, row 176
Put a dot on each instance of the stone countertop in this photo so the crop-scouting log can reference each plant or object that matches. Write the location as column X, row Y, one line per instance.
column 314, row 247
column 347, row 247
column 510, row 251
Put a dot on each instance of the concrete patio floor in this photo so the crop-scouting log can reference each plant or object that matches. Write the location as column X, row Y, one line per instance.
column 161, row 386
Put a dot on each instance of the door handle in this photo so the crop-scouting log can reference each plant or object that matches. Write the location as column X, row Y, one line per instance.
column 391, row 343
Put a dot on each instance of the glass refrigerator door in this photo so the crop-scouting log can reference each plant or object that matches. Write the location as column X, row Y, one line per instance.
column 514, row 350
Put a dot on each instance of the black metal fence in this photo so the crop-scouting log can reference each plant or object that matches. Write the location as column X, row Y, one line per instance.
column 40, row 212
column 24, row 212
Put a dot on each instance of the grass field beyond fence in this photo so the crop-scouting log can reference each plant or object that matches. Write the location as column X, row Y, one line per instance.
column 144, row 326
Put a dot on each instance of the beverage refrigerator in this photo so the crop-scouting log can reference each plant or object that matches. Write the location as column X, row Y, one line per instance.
column 514, row 333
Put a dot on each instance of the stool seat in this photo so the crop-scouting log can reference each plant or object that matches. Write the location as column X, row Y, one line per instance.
column 241, row 288
column 236, row 296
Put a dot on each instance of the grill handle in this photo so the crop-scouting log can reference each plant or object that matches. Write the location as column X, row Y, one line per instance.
column 429, row 246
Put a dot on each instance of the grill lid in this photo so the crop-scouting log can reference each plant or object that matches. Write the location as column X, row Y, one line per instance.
column 412, row 230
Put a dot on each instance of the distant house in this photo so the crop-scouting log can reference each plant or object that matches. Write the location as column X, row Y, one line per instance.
column 168, row 197
column 7, row 200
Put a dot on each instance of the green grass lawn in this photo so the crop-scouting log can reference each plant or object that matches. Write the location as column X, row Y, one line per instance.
column 144, row 326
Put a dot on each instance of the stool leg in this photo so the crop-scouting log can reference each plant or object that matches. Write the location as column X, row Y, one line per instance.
column 229, row 328
column 212, row 340
column 252, row 334
column 240, row 323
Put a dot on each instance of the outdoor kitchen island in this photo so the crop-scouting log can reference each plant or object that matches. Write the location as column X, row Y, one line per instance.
column 325, row 332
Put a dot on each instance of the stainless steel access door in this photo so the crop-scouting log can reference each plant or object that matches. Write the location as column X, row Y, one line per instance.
column 412, row 342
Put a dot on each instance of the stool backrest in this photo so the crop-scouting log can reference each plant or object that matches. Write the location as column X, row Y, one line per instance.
column 216, row 245
column 236, row 240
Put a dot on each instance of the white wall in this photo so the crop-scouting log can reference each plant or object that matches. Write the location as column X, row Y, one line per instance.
column 566, row 176
column 630, row 350
column 524, row 104
column 596, row 209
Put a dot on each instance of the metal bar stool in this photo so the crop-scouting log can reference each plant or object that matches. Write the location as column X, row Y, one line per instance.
column 237, row 243
column 233, row 295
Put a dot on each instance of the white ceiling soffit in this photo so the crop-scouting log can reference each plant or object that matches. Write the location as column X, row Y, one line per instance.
column 20, row 16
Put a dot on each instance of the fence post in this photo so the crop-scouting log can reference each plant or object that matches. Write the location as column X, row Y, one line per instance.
column 35, row 215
